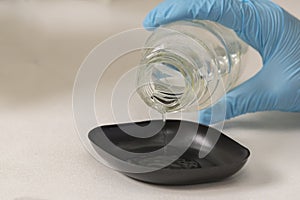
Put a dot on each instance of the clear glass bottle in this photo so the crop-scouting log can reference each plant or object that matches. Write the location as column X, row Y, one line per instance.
column 185, row 62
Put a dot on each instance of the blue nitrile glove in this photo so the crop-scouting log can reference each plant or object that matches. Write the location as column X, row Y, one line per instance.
column 268, row 28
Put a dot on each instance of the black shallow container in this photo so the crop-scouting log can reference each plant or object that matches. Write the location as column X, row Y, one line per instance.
column 225, row 159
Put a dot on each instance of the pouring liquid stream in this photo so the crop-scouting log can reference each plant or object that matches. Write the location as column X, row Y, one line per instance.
column 164, row 131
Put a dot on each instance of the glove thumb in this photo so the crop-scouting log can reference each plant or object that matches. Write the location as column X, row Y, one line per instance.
column 251, row 96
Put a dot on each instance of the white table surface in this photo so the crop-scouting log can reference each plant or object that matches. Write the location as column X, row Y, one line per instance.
column 42, row 45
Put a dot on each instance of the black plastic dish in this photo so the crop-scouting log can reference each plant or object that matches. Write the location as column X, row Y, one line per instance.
column 226, row 158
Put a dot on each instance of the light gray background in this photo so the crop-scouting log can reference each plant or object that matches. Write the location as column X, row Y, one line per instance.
column 42, row 44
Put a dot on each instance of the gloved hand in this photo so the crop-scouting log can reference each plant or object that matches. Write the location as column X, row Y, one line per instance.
column 268, row 28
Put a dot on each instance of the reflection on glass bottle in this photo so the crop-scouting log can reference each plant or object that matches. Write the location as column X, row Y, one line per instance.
column 184, row 63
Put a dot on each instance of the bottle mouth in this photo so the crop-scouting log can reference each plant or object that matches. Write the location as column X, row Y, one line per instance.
column 189, row 66
column 167, row 81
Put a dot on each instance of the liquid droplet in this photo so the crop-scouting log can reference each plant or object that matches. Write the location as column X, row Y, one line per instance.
column 163, row 116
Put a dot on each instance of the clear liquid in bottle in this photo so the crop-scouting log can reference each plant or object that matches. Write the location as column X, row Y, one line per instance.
column 186, row 63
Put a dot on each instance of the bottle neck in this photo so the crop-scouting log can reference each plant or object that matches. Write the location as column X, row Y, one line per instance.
column 169, row 80
column 188, row 65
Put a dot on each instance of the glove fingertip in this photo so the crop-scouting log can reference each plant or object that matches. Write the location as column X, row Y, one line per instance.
column 148, row 25
column 217, row 113
column 149, row 22
column 205, row 117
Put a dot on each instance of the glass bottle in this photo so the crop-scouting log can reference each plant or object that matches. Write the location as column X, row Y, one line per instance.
column 185, row 63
